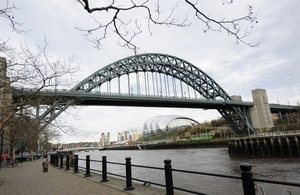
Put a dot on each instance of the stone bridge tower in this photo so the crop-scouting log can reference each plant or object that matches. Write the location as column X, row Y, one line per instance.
column 5, row 104
column 5, row 89
column 260, row 113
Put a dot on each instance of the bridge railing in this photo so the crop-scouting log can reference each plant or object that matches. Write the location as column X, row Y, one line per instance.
column 67, row 91
column 279, row 133
column 250, row 184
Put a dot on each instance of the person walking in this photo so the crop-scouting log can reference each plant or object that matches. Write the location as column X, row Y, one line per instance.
column 45, row 165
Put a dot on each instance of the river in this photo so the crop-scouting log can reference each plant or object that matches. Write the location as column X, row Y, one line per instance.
column 212, row 160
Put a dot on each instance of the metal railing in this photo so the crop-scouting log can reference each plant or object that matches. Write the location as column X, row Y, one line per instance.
column 249, row 183
column 68, row 92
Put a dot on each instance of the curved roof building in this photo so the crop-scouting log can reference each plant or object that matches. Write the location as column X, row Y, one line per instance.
column 160, row 124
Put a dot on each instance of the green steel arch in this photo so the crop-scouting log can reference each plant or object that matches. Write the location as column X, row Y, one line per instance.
column 162, row 64
column 159, row 63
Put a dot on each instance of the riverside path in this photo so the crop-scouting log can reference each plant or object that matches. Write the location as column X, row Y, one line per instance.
column 29, row 179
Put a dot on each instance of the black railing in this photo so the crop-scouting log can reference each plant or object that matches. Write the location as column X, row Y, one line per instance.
column 249, row 183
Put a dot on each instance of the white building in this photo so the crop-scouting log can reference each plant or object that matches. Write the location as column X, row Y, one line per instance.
column 105, row 140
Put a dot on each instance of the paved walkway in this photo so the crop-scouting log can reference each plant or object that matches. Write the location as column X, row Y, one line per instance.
column 28, row 179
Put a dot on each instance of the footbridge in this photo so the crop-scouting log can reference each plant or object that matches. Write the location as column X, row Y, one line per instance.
column 149, row 80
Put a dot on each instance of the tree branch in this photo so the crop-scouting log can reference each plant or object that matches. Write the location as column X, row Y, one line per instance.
column 128, row 31
column 7, row 12
column 232, row 27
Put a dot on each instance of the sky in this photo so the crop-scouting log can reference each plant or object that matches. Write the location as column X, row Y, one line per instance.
column 237, row 68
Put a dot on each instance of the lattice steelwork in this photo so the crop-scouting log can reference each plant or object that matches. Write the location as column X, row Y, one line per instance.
column 160, row 75
column 153, row 74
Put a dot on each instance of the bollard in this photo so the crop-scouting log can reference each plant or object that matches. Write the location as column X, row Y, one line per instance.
column 61, row 161
column 104, row 169
column 168, row 177
column 51, row 159
column 248, row 184
column 128, row 174
column 87, row 167
column 45, row 165
column 67, row 162
column 297, row 146
column 76, row 164
column 56, row 160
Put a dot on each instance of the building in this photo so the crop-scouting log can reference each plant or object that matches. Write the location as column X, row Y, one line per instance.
column 136, row 134
column 159, row 124
column 132, row 135
column 105, row 140
column 121, row 137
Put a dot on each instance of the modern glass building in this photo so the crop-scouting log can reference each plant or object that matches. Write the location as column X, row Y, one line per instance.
column 161, row 124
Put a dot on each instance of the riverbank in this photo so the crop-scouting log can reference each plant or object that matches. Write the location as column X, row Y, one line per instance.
column 28, row 178
column 266, row 146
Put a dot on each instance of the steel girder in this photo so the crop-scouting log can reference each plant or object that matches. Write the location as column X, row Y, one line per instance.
column 237, row 116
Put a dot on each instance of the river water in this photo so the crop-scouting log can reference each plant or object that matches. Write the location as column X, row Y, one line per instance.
column 212, row 160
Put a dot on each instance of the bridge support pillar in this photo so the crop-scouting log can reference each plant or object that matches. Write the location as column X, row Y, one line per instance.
column 5, row 103
column 5, row 89
column 260, row 113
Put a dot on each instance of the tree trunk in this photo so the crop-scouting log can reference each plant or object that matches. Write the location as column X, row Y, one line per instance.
column 12, row 153
column 31, row 154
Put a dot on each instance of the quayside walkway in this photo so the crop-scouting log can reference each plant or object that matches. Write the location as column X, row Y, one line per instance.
column 28, row 179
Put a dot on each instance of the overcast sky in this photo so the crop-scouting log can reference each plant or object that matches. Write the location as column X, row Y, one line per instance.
column 274, row 65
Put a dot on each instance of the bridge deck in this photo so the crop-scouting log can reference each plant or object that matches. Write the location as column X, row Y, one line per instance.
column 110, row 99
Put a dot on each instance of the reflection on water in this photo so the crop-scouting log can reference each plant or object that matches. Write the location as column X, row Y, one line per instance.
column 214, row 160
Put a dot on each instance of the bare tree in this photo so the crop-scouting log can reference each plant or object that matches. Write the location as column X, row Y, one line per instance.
column 125, row 19
column 18, row 128
column 45, row 136
column 34, row 68
column 30, row 68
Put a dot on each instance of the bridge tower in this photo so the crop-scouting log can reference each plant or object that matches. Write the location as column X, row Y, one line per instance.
column 5, row 104
column 260, row 113
column 5, row 89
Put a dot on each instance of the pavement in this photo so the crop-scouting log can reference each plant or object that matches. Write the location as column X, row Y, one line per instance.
column 28, row 178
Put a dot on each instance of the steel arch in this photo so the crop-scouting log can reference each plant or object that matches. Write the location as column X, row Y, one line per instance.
column 237, row 116
column 160, row 63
